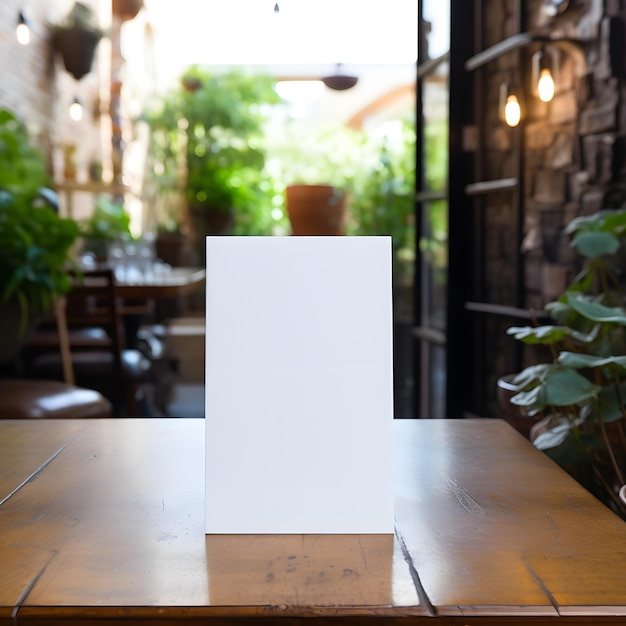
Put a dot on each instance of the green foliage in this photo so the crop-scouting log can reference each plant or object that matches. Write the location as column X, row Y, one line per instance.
column 583, row 389
column 207, row 140
column 314, row 153
column 108, row 221
column 216, row 145
column 377, row 171
column 35, row 242
column 434, row 228
column 383, row 193
column 22, row 167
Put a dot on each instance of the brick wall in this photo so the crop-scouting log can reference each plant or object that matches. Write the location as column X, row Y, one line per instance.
column 36, row 87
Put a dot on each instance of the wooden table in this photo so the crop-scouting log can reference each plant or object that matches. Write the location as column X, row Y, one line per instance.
column 145, row 297
column 178, row 281
column 103, row 519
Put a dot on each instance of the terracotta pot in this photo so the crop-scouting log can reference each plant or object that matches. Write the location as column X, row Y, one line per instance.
column 316, row 209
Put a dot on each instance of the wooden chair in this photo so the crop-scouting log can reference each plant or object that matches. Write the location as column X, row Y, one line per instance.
column 40, row 399
column 93, row 352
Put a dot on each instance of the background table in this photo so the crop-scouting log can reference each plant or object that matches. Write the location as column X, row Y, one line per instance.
column 175, row 282
column 104, row 519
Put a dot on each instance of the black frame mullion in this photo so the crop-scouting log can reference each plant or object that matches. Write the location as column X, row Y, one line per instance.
column 419, row 185
column 460, row 246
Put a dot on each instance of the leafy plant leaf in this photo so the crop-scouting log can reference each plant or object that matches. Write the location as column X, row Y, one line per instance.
column 554, row 436
column 595, row 244
column 547, row 334
column 577, row 360
column 597, row 312
column 538, row 334
column 564, row 387
column 533, row 374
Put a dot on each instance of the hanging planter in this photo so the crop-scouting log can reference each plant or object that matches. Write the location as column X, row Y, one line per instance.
column 76, row 40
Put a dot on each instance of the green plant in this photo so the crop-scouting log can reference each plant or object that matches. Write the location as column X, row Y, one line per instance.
column 579, row 394
column 376, row 171
column 207, row 141
column 382, row 190
column 35, row 242
column 108, row 221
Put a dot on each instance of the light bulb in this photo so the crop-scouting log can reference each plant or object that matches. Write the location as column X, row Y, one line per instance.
column 512, row 111
column 545, row 85
column 22, row 32
column 76, row 111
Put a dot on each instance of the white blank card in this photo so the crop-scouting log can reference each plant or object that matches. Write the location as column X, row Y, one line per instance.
column 299, row 385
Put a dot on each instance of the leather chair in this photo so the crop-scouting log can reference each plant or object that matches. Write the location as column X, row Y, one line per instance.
column 40, row 399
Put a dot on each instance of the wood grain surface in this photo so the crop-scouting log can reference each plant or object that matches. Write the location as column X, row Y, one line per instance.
column 103, row 519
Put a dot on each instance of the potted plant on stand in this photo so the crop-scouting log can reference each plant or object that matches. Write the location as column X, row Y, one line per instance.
column 209, row 131
column 35, row 243
column 578, row 397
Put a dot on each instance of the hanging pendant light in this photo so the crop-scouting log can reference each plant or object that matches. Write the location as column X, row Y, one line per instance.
column 22, row 30
column 542, row 75
column 512, row 111
column 76, row 110
column 339, row 81
column 510, row 108
column 545, row 85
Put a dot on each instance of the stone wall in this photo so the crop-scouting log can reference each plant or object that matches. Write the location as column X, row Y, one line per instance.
column 568, row 153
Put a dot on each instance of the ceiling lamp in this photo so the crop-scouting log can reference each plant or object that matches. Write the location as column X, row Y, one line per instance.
column 339, row 81
column 510, row 109
column 543, row 76
column 22, row 30
column 76, row 110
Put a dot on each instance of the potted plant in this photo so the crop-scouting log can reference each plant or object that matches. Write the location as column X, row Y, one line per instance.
column 209, row 132
column 578, row 396
column 76, row 39
column 312, row 164
column 315, row 209
column 35, row 243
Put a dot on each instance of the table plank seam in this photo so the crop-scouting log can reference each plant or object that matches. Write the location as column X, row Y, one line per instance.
column 29, row 587
column 542, row 586
column 38, row 471
column 419, row 588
